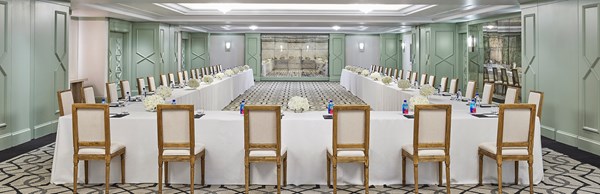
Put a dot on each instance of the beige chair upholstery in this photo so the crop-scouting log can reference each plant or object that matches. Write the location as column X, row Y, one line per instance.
column 537, row 98
column 164, row 80
column 141, row 85
column 151, row 84
column 444, row 84
column 125, row 88
column 186, row 75
column 220, row 68
column 431, row 80
column 512, row 95
column 180, row 78
column 171, row 78
column 65, row 100
column 198, row 74
column 431, row 141
column 423, row 80
column 176, row 141
column 204, row 72
column 262, row 141
column 194, row 74
column 88, row 94
column 470, row 93
column 488, row 91
column 413, row 77
column 91, row 141
column 453, row 86
column 111, row 93
column 351, row 128
column 514, row 141
column 400, row 74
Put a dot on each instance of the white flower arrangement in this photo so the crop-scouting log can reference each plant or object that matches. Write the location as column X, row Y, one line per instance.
column 358, row 70
column 426, row 90
column 387, row 80
column 375, row 76
column 193, row 83
column 417, row 100
column 365, row 72
column 404, row 84
column 219, row 75
column 246, row 67
column 208, row 79
column 236, row 70
column 151, row 102
column 298, row 103
column 229, row 72
column 164, row 91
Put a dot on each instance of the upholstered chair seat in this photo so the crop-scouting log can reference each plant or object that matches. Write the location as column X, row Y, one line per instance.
column 425, row 151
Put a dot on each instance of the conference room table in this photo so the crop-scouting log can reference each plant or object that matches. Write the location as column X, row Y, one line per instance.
column 306, row 136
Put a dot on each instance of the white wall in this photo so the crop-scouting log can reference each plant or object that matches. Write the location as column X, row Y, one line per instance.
column 218, row 55
column 363, row 59
column 406, row 64
column 91, row 36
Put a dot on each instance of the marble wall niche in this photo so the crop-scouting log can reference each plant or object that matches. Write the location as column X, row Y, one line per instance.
column 295, row 55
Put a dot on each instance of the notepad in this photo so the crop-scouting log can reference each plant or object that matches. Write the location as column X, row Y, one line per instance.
column 328, row 116
column 119, row 115
column 197, row 116
column 409, row 116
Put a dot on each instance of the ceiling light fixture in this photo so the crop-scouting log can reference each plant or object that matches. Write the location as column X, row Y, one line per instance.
column 336, row 28
column 489, row 27
column 253, row 27
column 224, row 10
column 226, row 7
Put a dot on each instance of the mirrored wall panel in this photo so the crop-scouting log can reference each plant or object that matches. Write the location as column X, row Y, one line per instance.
column 295, row 55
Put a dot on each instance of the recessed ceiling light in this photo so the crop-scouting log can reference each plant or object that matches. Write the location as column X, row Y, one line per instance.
column 490, row 27
column 253, row 27
column 336, row 28
column 226, row 7
column 224, row 10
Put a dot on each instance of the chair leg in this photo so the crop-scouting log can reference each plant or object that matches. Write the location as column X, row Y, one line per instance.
column 403, row 171
column 123, row 168
column 107, row 176
column 448, row 177
column 202, row 164
column 285, row 171
column 75, row 170
column 416, row 177
column 516, row 172
column 366, row 176
column 192, row 164
column 440, row 173
column 160, row 176
column 247, row 176
column 278, row 177
column 530, row 163
column 328, row 171
column 166, row 172
column 499, row 177
column 480, row 169
column 334, row 175
column 85, row 166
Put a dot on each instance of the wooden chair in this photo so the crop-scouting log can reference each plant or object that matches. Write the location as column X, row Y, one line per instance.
column 488, row 93
column 431, row 80
column 486, row 76
column 164, row 80
column 413, row 77
column 496, row 81
column 514, row 141
column 91, row 141
column 380, row 69
column 515, row 78
column 176, row 141
column 111, row 93
column 204, row 72
column 198, row 74
column 88, row 95
column 141, row 85
column 453, row 86
column 180, row 77
column 512, row 95
column 537, row 98
column 504, row 79
column 151, row 84
column 350, row 140
column 431, row 141
column 399, row 74
column 65, row 100
column 125, row 88
column 386, row 71
column 471, row 89
column 443, row 84
column 262, row 140
column 171, row 78
column 220, row 68
column 423, row 79
column 186, row 75
column 194, row 75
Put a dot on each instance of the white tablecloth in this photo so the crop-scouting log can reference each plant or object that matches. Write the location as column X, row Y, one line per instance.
column 306, row 136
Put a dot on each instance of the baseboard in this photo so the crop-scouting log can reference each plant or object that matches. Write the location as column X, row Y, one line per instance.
column 45, row 128
column 589, row 145
column 548, row 132
column 9, row 140
column 567, row 138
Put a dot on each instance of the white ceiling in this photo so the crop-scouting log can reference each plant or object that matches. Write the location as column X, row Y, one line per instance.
column 297, row 19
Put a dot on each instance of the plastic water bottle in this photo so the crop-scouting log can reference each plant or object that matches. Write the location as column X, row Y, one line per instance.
column 173, row 102
column 473, row 107
column 242, row 107
column 405, row 108
column 103, row 100
column 477, row 99
column 458, row 94
column 330, row 107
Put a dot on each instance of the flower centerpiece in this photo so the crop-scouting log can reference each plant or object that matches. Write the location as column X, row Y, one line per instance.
column 375, row 76
column 358, row 70
column 404, row 84
column 193, row 83
column 387, row 80
column 246, row 67
column 151, row 102
column 208, row 79
column 298, row 104
column 229, row 72
column 236, row 70
column 365, row 72
column 426, row 90
column 219, row 75
column 417, row 100
column 164, row 91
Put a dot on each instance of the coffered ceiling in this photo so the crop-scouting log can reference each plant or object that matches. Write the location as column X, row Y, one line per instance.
column 287, row 16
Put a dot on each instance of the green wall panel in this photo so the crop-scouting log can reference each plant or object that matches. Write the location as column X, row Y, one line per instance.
column 199, row 50
column 390, row 51
column 253, row 54
column 145, row 50
column 337, row 55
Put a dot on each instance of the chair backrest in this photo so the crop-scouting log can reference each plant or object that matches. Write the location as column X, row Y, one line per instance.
column 432, row 127
column 495, row 74
column 204, row 71
column 164, row 81
column 194, row 75
column 394, row 73
column 516, row 126
column 220, row 68
column 351, row 127
column 488, row 91
column 444, row 84
column 537, row 98
column 111, row 92
column 373, row 68
column 423, row 79
column 512, row 95
column 380, row 69
column 262, row 128
column 180, row 78
column 175, row 127
column 387, row 71
column 91, row 126
column 515, row 77
column 504, row 76
column 88, row 94
column 198, row 74
column 470, row 93
column 453, row 86
column 486, row 75
column 171, row 78
column 431, row 80
column 413, row 77
column 399, row 74
column 125, row 88
column 141, row 85
column 65, row 100
column 151, row 84
column 186, row 75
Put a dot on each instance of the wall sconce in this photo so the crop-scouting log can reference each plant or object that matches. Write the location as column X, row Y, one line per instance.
column 361, row 46
column 403, row 46
column 471, row 43
column 227, row 46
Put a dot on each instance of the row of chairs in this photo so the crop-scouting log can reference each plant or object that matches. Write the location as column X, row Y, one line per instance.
column 502, row 79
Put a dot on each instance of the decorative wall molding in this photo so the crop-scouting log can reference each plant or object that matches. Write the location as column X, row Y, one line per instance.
column 337, row 58
column 253, row 54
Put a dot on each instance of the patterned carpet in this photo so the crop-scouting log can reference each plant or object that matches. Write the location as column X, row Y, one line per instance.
column 30, row 173
column 318, row 94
